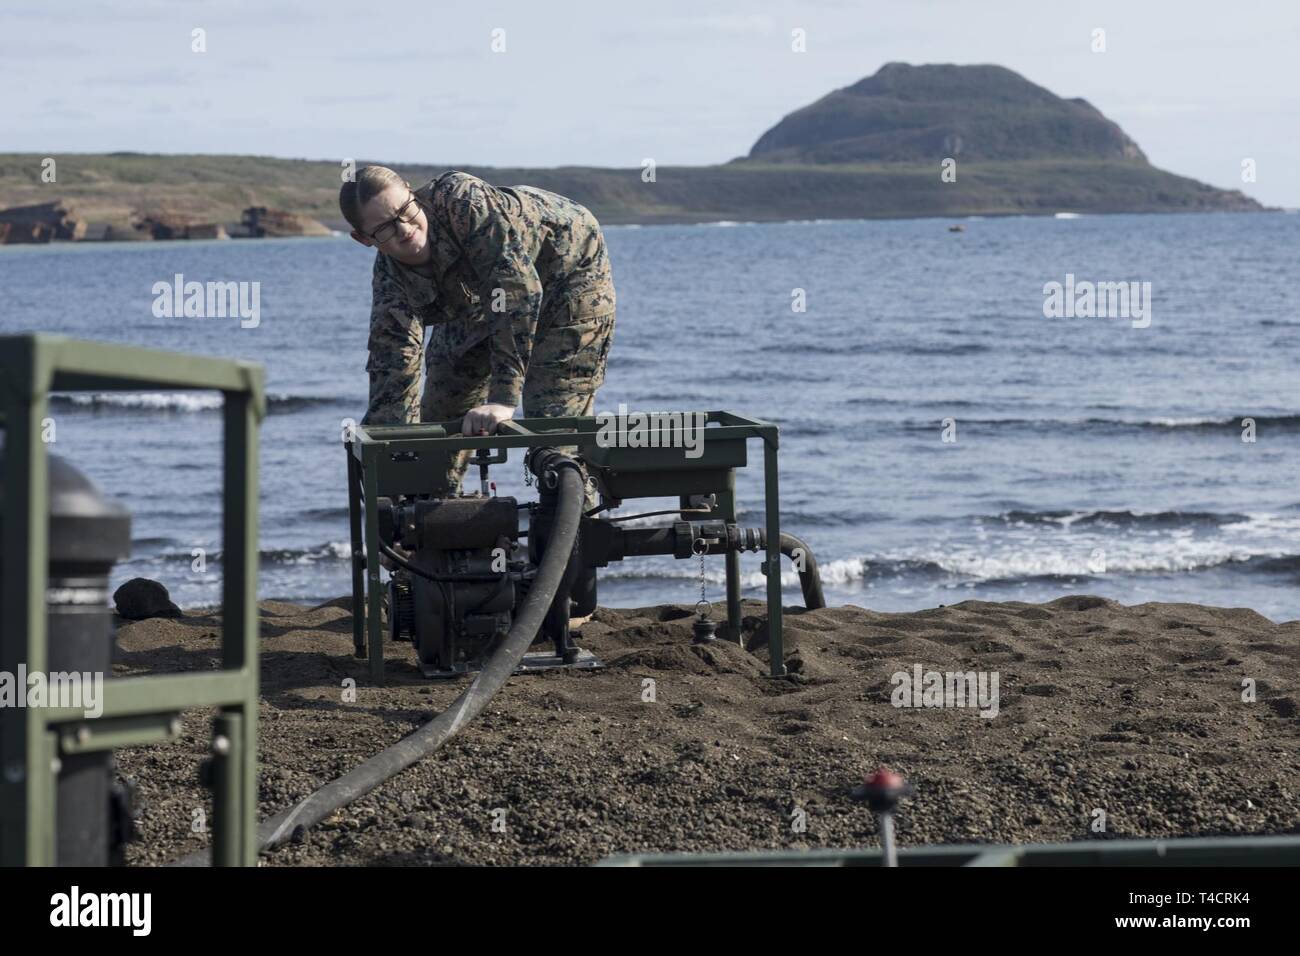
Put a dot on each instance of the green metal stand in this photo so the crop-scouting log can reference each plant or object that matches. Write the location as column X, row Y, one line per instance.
column 137, row 710
column 394, row 460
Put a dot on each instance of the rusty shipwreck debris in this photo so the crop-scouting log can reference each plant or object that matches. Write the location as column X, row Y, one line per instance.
column 43, row 222
column 264, row 223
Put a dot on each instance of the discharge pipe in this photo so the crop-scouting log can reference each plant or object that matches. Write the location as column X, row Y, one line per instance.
column 679, row 539
column 810, row 579
column 555, row 470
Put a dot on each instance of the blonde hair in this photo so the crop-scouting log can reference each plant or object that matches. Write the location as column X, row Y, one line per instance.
column 369, row 183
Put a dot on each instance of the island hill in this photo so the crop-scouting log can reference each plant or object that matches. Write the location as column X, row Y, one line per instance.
column 875, row 149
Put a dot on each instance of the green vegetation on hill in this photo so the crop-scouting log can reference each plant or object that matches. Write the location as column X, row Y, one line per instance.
column 925, row 113
column 218, row 188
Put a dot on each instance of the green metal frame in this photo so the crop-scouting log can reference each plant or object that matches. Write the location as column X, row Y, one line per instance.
column 137, row 710
column 1201, row 851
column 401, row 459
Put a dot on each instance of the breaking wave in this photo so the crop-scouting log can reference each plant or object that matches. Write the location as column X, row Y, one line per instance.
column 184, row 402
column 1113, row 425
column 1116, row 519
column 1003, row 566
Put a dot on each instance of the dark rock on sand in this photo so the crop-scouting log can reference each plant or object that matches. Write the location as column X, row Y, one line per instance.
column 141, row 598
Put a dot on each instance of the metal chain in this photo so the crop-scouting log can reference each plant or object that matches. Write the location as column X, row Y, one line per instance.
column 700, row 546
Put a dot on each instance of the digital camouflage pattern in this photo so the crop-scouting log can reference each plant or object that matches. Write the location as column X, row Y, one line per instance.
column 521, row 307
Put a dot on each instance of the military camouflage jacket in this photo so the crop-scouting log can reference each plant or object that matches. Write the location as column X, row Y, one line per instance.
column 497, row 251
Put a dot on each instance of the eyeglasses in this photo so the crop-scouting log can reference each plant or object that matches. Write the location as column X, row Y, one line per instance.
column 407, row 213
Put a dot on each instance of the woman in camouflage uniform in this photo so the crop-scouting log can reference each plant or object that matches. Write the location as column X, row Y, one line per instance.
column 514, row 284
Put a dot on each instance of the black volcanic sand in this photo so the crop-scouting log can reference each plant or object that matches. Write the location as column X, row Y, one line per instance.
column 1134, row 710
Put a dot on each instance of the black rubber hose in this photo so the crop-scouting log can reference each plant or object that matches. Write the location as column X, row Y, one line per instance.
column 365, row 777
column 810, row 579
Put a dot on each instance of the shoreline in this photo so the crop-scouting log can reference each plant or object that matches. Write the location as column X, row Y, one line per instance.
column 345, row 600
column 338, row 233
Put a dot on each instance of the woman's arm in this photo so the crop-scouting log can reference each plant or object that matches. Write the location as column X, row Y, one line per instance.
column 396, row 339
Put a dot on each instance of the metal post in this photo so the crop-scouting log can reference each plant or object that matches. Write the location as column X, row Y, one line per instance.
column 358, row 579
column 227, row 791
column 772, row 566
column 882, row 790
column 46, row 767
column 26, row 777
column 889, row 853
column 374, row 590
column 239, row 604
column 727, row 505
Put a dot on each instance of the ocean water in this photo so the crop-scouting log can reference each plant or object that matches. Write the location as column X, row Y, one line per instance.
column 1089, row 455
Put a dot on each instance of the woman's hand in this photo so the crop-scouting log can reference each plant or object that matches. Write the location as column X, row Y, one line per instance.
column 484, row 419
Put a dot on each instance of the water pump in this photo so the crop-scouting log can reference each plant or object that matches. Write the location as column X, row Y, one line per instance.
column 462, row 566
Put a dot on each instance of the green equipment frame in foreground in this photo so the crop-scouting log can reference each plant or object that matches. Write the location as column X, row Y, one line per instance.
column 393, row 460
column 136, row 710
column 1199, row 851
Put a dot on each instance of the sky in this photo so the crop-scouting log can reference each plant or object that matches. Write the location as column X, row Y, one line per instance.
column 1201, row 85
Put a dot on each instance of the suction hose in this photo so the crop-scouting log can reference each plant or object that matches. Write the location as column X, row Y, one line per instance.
column 365, row 777
column 810, row 579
